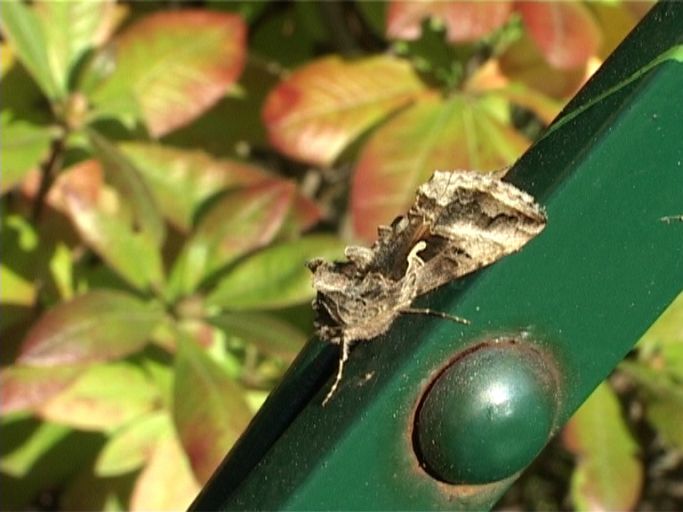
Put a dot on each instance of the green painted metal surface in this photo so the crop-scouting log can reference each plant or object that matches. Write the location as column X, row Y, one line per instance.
column 579, row 295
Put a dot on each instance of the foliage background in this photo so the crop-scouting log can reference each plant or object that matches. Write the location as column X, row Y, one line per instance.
column 168, row 167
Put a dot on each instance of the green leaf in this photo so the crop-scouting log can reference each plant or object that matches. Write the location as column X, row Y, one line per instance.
column 23, row 29
column 663, row 341
column 134, row 256
column 181, row 180
column 171, row 66
column 98, row 326
column 19, row 242
column 24, row 147
column 103, row 398
column 322, row 107
column 462, row 132
column 71, row 28
column 241, row 221
column 209, row 410
column 267, row 332
column 25, row 388
column 128, row 181
column 275, row 277
column 35, row 442
column 129, row 448
column 609, row 475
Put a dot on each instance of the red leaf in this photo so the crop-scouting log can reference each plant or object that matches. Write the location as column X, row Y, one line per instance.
column 565, row 32
column 321, row 108
column 26, row 387
column 465, row 21
column 459, row 133
column 175, row 65
column 98, row 326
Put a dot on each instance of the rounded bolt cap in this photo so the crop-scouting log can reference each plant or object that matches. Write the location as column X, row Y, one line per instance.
column 487, row 415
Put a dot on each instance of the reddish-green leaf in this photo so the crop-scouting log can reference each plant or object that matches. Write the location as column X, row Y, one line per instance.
column 274, row 277
column 24, row 147
column 241, row 221
column 464, row 21
column 167, row 482
column 266, row 332
column 609, row 475
column 104, row 397
column 322, row 107
column 128, row 182
column 130, row 447
column 181, row 180
column 171, row 66
column 463, row 132
column 208, row 410
column 98, row 326
column 27, row 387
column 565, row 32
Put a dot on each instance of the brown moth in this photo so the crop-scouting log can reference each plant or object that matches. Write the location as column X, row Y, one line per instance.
column 460, row 221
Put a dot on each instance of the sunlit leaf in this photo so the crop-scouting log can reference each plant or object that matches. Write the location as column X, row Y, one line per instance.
column 103, row 398
column 167, row 482
column 171, row 66
column 130, row 447
column 663, row 342
column 459, row 133
column 464, row 21
column 97, row 326
column 322, row 107
column 266, row 332
column 127, row 179
column 181, row 180
column 565, row 32
column 23, row 29
column 209, row 411
column 27, row 387
column 303, row 214
column 19, row 242
column 24, row 147
column 274, row 277
column 71, row 28
column 609, row 475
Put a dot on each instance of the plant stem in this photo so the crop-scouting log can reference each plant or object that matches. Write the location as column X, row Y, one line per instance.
column 49, row 173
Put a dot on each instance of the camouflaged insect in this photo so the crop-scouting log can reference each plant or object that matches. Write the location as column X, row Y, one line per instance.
column 460, row 221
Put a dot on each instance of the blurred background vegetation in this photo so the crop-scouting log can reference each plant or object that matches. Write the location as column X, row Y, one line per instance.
column 167, row 169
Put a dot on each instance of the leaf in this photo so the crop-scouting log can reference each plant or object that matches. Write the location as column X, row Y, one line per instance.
column 462, row 132
column 167, row 482
column 662, row 343
column 36, row 441
column 209, row 410
column 103, row 398
column 24, row 147
column 609, row 475
column 128, row 181
column 322, row 107
column 266, row 332
column 100, row 325
column 23, row 29
column 20, row 244
column 241, row 221
column 172, row 66
column 565, row 32
column 134, row 256
column 181, row 180
column 129, row 448
column 465, row 21
column 25, row 388
column 274, row 277
column 71, row 28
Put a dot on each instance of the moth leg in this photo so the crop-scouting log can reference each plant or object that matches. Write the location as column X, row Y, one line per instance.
column 340, row 371
column 438, row 314
column 672, row 218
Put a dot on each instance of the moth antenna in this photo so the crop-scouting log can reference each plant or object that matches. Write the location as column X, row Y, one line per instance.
column 340, row 371
column 438, row 314
column 672, row 218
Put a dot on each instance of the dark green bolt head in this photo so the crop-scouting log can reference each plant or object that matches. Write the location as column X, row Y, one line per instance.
column 488, row 414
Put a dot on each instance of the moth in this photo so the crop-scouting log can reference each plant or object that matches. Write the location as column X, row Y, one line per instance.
column 460, row 221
